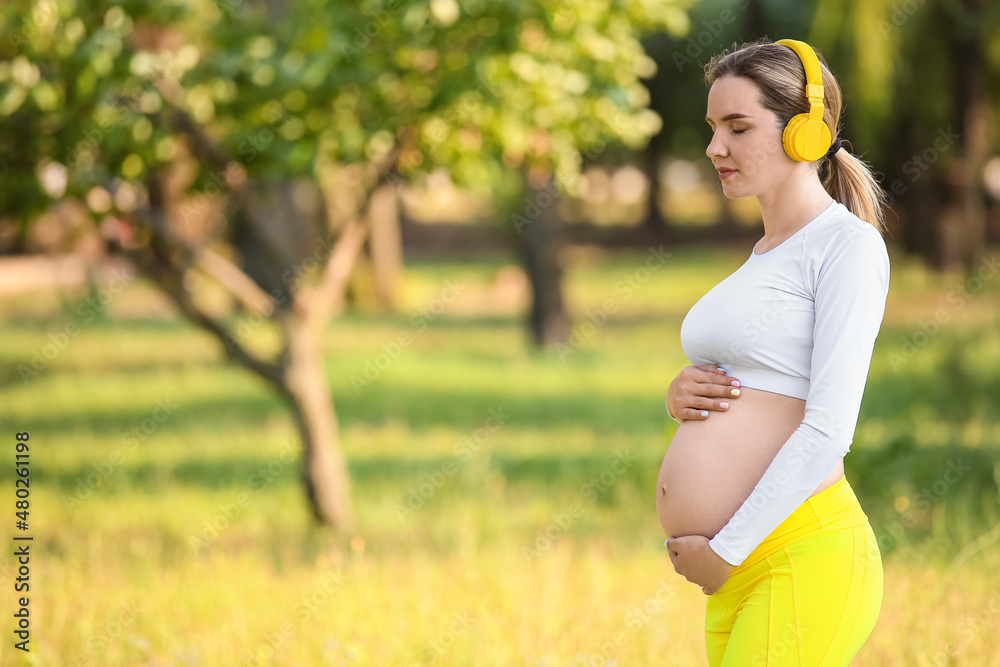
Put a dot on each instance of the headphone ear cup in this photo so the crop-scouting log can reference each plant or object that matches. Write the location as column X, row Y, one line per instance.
column 788, row 136
column 806, row 140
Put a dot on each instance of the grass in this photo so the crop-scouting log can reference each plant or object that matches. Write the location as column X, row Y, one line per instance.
column 192, row 544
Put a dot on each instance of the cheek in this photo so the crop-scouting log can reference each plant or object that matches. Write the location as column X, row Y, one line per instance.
column 761, row 156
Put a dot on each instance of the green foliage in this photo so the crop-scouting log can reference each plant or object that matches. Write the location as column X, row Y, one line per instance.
column 899, row 61
column 68, row 96
column 474, row 87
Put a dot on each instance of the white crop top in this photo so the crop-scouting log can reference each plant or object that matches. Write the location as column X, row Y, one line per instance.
column 801, row 320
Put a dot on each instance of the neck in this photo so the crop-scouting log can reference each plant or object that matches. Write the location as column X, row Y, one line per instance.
column 787, row 208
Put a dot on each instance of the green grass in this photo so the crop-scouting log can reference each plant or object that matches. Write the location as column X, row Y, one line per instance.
column 116, row 580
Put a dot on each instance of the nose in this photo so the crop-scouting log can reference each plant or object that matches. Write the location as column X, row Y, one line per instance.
column 716, row 147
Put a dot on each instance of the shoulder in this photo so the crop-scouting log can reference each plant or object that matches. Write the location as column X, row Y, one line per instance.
column 845, row 227
column 843, row 232
column 846, row 243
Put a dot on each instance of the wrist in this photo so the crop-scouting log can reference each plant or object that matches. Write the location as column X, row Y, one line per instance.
column 672, row 417
column 666, row 405
column 715, row 548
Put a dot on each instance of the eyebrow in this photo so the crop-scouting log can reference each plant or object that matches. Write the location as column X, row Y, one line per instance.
column 732, row 116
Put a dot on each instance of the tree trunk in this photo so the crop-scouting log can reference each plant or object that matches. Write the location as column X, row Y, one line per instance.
column 916, row 205
column 979, row 138
column 965, row 239
column 540, row 239
column 651, row 161
column 324, row 469
column 385, row 244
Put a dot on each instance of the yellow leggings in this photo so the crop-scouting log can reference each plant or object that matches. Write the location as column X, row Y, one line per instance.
column 807, row 596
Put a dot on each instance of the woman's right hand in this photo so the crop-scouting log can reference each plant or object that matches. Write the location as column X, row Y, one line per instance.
column 698, row 389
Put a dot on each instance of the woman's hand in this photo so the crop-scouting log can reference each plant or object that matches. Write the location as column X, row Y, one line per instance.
column 700, row 388
column 695, row 561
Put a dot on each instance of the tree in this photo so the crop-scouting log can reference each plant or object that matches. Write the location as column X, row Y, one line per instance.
column 925, row 91
column 113, row 103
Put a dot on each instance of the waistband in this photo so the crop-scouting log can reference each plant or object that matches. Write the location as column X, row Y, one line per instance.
column 832, row 508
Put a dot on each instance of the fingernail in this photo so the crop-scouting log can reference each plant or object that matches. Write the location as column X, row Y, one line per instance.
column 704, row 413
column 735, row 392
column 735, row 383
column 724, row 404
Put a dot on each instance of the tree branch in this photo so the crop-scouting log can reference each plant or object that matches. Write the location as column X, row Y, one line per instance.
column 319, row 303
column 172, row 281
column 242, row 286
column 326, row 297
column 330, row 292
column 159, row 265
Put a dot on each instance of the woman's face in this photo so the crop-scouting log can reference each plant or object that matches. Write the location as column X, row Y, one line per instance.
column 746, row 142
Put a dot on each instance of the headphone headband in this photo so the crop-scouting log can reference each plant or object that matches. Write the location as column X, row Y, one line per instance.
column 807, row 137
column 814, row 75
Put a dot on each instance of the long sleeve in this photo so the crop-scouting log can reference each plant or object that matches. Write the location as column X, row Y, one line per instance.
column 850, row 289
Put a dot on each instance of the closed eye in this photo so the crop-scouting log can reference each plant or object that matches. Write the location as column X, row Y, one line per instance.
column 738, row 131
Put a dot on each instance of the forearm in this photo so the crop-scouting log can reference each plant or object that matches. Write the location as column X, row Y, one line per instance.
column 796, row 471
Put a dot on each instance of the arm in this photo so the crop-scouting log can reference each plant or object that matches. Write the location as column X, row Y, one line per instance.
column 850, row 292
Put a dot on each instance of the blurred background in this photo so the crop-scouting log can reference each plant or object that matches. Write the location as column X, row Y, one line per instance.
column 342, row 330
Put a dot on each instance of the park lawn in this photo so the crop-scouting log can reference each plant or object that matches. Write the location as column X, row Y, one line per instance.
column 503, row 498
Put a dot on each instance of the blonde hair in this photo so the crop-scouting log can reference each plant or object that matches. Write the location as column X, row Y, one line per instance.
column 779, row 75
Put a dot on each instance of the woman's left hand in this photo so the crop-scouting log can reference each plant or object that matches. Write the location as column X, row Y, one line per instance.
column 695, row 561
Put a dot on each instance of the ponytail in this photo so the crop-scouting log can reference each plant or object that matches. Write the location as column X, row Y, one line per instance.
column 849, row 180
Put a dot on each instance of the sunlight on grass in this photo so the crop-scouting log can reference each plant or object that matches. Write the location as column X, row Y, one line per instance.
column 171, row 528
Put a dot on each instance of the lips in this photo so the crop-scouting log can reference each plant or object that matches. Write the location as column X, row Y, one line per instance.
column 725, row 173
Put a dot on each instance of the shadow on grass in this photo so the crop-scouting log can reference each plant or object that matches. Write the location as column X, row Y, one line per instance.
column 927, row 476
column 426, row 408
column 422, row 409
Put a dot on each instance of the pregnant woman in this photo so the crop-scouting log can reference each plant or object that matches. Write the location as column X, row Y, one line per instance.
column 752, row 493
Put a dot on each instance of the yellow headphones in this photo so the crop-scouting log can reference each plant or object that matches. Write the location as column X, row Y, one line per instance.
column 807, row 137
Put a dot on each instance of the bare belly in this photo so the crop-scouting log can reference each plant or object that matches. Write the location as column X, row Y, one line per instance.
column 711, row 466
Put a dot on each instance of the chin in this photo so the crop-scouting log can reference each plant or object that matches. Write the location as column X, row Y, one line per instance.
column 738, row 192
